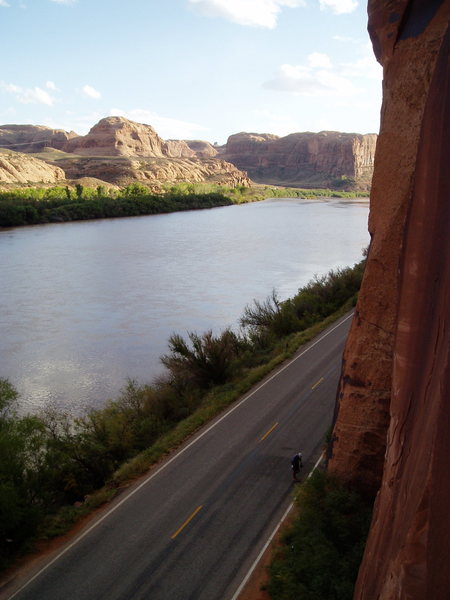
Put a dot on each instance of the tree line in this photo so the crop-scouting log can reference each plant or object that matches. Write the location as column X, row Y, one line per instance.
column 33, row 206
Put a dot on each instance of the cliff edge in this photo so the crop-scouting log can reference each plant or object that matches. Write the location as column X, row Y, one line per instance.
column 325, row 159
column 392, row 432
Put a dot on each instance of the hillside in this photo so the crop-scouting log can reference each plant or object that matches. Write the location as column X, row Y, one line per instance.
column 19, row 168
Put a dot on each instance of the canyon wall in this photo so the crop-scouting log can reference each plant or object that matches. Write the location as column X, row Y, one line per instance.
column 328, row 158
column 392, row 432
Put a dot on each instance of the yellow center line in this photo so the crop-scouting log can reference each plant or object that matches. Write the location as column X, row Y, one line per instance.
column 317, row 383
column 268, row 432
column 188, row 520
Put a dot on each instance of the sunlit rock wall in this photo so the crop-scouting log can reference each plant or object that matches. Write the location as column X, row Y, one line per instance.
column 393, row 408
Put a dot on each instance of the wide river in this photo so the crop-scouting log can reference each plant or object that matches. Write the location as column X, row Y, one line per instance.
column 86, row 305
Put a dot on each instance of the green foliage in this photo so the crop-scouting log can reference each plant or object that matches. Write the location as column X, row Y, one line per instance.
column 30, row 206
column 272, row 319
column 21, row 494
column 207, row 361
column 321, row 551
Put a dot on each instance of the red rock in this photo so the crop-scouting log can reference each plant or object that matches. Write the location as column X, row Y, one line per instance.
column 393, row 406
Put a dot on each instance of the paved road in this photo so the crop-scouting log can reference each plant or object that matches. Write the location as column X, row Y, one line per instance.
column 192, row 529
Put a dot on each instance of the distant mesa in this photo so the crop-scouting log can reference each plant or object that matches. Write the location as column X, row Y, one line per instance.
column 328, row 158
column 33, row 138
column 120, row 151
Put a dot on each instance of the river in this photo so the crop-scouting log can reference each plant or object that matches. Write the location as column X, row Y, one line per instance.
column 85, row 305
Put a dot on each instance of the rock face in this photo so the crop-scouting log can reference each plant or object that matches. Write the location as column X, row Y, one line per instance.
column 202, row 149
column 21, row 168
column 117, row 136
column 123, row 151
column 154, row 171
column 120, row 152
column 33, row 138
column 392, row 432
column 306, row 159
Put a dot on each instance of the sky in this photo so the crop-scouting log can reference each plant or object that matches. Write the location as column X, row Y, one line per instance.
column 193, row 69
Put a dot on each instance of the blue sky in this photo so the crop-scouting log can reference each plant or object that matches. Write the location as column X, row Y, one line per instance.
column 193, row 69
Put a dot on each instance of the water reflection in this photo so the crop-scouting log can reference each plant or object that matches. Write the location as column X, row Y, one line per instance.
column 86, row 305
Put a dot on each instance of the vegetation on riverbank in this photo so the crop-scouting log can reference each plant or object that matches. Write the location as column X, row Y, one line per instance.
column 53, row 464
column 31, row 206
column 320, row 552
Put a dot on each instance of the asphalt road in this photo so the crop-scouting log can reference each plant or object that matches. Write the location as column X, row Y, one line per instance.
column 194, row 526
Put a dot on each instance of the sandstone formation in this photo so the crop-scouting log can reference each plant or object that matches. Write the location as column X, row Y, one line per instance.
column 33, row 138
column 306, row 159
column 154, row 171
column 326, row 159
column 119, row 151
column 24, row 169
column 122, row 151
column 117, row 136
column 202, row 149
column 392, row 431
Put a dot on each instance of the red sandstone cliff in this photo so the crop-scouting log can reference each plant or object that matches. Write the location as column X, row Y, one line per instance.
column 306, row 159
column 392, row 433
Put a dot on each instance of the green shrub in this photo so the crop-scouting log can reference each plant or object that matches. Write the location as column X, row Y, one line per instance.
column 321, row 551
column 208, row 360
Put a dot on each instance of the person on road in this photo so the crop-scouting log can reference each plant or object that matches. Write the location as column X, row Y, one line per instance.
column 297, row 464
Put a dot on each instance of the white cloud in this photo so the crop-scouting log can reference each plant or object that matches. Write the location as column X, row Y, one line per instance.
column 253, row 13
column 4, row 3
column 316, row 78
column 34, row 95
column 91, row 92
column 166, row 127
column 365, row 65
column 339, row 7
column 319, row 60
column 50, row 85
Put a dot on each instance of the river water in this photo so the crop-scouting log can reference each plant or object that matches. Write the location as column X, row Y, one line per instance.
column 86, row 305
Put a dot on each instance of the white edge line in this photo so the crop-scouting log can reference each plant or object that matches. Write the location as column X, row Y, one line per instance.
column 168, row 462
column 272, row 535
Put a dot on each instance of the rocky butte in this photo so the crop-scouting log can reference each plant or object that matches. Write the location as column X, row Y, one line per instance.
column 325, row 159
column 391, row 437
column 120, row 151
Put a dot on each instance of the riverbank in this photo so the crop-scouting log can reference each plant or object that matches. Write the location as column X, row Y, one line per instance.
column 37, row 206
